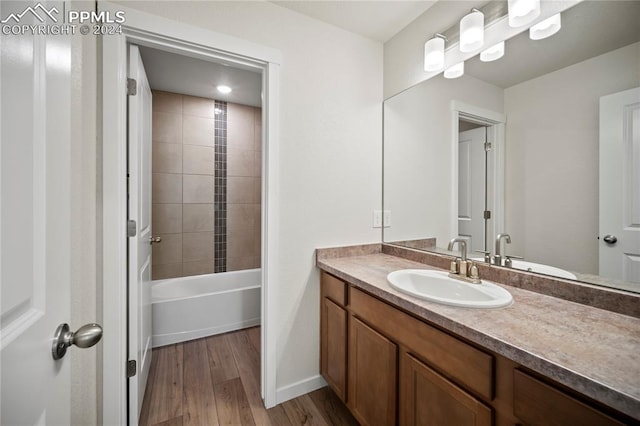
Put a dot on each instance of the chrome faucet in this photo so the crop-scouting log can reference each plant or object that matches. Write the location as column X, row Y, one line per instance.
column 463, row 270
column 463, row 247
column 497, row 257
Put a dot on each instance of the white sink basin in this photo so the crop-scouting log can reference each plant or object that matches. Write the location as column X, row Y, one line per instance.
column 436, row 286
column 538, row 268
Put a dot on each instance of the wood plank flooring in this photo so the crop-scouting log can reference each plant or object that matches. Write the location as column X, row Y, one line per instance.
column 216, row 381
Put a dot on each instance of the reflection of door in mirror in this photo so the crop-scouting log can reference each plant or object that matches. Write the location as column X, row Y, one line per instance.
column 619, row 246
column 472, row 185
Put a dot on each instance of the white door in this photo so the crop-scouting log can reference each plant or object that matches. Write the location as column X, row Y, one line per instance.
column 140, row 244
column 620, row 186
column 35, row 220
column 471, row 188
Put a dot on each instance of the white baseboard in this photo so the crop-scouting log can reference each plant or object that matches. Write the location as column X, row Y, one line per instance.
column 300, row 388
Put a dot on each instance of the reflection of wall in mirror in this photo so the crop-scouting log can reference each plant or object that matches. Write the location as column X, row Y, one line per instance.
column 551, row 177
column 418, row 156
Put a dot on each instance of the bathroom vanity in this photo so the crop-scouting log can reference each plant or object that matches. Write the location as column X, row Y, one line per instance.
column 396, row 359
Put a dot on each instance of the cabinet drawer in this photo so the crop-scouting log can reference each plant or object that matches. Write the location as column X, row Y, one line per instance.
column 334, row 289
column 536, row 403
column 466, row 365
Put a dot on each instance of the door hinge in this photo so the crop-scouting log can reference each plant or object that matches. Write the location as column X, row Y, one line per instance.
column 132, row 87
column 132, row 368
column 132, row 228
column 487, row 146
column 487, row 214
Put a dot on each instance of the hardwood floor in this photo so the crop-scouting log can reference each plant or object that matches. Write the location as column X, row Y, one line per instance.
column 216, row 381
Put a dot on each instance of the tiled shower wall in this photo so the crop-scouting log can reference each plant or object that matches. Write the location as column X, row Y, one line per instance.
column 190, row 200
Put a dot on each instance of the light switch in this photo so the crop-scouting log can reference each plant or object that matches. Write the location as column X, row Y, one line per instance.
column 377, row 218
column 386, row 218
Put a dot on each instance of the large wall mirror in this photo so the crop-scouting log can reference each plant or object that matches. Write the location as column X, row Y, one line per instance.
column 542, row 144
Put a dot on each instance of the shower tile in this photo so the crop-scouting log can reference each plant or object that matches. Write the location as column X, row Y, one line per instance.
column 200, row 107
column 162, row 272
column 257, row 164
column 198, row 131
column 168, row 251
column 242, row 216
column 257, row 191
column 166, row 219
column 167, row 188
column 197, row 246
column 240, row 190
column 241, row 263
column 197, row 217
column 166, row 102
column 167, row 158
column 257, row 134
column 198, row 268
column 240, row 243
column 240, row 126
column 198, row 160
column 240, row 162
column 198, row 189
column 166, row 127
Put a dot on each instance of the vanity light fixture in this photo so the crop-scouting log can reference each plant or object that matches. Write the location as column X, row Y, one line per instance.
column 472, row 31
column 434, row 53
column 546, row 28
column 224, row 89
column 522, row 12
column 454, row 71
column 493, row 53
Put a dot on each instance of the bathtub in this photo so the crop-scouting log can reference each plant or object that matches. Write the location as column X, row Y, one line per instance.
column 189, row 308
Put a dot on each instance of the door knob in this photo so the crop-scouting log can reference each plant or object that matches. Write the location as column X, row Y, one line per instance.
column 610, row 239
column 155, row 240
column 86, row 336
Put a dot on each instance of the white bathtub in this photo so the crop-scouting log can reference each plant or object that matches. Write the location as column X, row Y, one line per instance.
column 189, row 308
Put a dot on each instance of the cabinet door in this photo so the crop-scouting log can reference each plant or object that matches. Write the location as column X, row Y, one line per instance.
column 427, row 398
column 372, row 375
column 333, row 346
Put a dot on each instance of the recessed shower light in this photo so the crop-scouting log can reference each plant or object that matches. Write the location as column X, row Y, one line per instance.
column 224, row 89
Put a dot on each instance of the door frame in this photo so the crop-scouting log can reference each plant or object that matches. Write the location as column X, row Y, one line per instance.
column 153, row 31
column 495, row 123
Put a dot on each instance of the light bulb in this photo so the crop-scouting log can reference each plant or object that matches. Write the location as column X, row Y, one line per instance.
column 224, row 89
column 546, row 28
column 472, row 31
column 522, row 12
column 493, row 53
column 454, row 71
column 434, row 54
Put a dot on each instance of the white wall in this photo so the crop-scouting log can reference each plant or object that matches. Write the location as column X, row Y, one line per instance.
column 419, row 156
column 330, row 161
column 552, row 159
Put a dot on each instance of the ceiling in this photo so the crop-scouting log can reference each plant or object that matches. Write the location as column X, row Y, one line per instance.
column 196, row 77
column 378, row 20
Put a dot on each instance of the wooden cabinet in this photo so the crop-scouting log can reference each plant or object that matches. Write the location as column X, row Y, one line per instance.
column 333, row 335
column 393, row 368
column 428, row 398
column 372, row 375
column 537, row 403
column 334, row 347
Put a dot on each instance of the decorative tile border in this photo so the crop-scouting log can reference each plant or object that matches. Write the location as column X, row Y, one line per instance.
column 220, row 187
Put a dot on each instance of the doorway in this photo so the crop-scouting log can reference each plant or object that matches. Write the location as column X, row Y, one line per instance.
column 478, row 168
column 143, row 30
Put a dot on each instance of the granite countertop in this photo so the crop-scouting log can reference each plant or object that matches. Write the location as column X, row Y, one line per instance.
column 594, row 351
